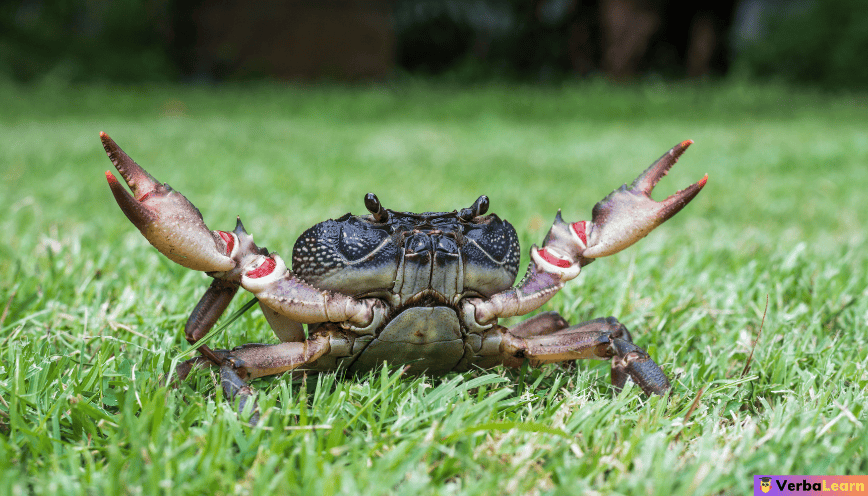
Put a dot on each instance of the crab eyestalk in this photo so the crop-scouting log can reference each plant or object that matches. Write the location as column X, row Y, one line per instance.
column 166, row 218
column 372, row 203
column 629, row 213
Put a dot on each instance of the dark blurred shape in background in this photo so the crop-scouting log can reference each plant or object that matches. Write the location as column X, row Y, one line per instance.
column 285, row 39
column 550, row 38
column 821, row 42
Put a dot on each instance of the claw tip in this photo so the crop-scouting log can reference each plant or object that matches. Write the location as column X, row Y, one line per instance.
column 686, row 143
column 110, row 177
column 702, row 181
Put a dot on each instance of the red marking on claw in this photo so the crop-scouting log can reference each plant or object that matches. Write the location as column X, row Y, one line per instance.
column 263, row 270
column 558, row 262
column 230, row 241
column 579, row 229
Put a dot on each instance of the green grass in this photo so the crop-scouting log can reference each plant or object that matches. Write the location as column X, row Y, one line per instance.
column 92, row 316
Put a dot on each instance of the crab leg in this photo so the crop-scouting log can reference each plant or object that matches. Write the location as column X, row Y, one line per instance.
column 258, row 360
column 535, row 289
column 279, row 289
column 539, row 325
column 210, row 307
column 602, row 339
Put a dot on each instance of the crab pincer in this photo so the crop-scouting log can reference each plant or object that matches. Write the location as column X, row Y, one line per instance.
column 622, row 218
column 629, row 213
column 165, row 217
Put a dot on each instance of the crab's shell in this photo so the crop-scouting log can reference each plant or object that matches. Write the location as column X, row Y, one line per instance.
column 421, row 266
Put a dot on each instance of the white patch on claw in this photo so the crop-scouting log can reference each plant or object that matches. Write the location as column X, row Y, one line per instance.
column 566, row 273
column 586, row 226
column 235, row 244
column 262, row 272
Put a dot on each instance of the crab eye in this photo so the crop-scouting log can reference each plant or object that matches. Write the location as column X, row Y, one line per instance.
column 372, row 203
column 479, row 207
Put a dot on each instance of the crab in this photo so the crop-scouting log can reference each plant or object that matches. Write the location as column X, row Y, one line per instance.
column 419, row 290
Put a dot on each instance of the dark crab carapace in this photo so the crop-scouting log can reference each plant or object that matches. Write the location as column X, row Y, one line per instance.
column 421, row 290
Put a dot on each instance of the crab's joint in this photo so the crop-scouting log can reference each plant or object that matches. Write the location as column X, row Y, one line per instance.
column 579, row 230
column 265, row 268
column 552, row 261
column 366, row 316
column 231, row 241
column 263, row 272
column 562, row 249
column 547, row 255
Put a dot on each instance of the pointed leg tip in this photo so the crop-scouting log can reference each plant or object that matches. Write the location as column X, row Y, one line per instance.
column 140, row 215
column 679, row 200
column 678, row 150
column 112, row 150
column 239, row 227
column 655, row 172
column 107, row 142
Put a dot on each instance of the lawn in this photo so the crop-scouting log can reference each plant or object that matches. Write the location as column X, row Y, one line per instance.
column 91, row 317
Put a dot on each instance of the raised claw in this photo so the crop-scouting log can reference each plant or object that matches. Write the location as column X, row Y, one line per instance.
column 165, row 217
column 628, row 214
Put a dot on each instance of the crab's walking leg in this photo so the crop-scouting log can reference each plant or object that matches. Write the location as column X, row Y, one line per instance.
column 210, row 307
column 603, row 339
column 234, row 388
column 540, row 325
column 258, row 360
